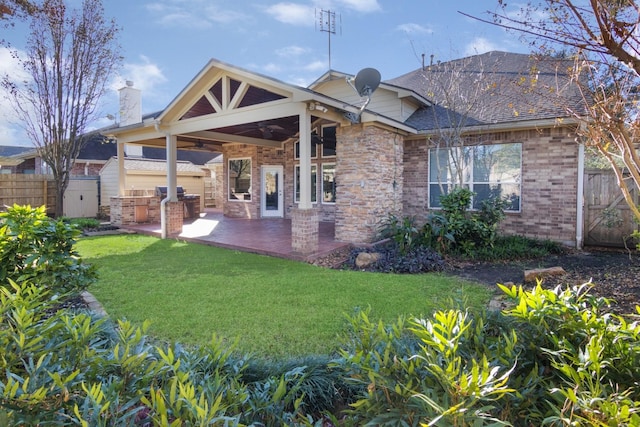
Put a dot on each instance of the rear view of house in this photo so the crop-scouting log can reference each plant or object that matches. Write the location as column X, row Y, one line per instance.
column 493, row 123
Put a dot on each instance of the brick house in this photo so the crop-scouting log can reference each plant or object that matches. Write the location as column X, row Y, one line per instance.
column 491, row 122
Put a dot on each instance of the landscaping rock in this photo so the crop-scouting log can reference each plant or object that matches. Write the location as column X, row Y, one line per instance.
column 531, row 276
column 365, row 259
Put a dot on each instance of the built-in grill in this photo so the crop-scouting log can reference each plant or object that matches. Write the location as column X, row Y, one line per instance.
column 191, row 201
column 162, row 192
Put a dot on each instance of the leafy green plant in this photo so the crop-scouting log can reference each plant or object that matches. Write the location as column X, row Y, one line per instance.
column 403, row 231
column 37, row 248
column 424, row 372
column 516, row 248
column 82, row 223
column 590, row 357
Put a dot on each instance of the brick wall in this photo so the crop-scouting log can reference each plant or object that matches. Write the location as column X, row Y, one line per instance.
column 369, row 176
column 174, row 217
column 304, row 230
column 549, row 187
column 86, row 169
column 415, row 197
column 277, row 157
column 549, row 182
column 241, row 208
column 134, row 210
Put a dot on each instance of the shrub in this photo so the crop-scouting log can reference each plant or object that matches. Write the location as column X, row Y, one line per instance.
column 552, row 359
column 515, row 248
column 468, row 230
column 83, row 223
column 67, row 368
column 403, row 231
column 36, row 248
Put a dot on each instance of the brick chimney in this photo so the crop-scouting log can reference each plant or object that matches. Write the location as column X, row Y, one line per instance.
column 130, row 105
column 131, row 113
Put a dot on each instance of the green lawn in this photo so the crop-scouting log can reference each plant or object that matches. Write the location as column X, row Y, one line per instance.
column 275, row 307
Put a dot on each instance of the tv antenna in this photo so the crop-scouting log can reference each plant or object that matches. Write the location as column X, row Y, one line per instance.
column 326, row 23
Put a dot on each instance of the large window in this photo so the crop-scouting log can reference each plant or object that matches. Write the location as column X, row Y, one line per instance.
column 240, row 179
column 314, row 147
column 328, row 183
column 329, row 141
column 489, row 171
column 314, row 176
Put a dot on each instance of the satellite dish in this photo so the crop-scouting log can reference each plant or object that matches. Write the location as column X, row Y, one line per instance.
column 367, row 81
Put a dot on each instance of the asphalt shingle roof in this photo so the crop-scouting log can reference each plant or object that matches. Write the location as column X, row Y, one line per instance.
column 10, row 150
column 495, row 87
column 100, row 148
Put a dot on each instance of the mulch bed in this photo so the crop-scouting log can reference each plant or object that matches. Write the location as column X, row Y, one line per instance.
column 615, row 273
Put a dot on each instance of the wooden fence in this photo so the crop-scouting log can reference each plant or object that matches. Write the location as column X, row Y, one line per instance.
column 34, row 190
column 608, row 219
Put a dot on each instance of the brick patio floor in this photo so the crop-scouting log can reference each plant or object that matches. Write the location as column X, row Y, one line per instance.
column 262, row 236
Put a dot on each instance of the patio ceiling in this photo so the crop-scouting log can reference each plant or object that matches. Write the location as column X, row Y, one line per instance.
column 272, row 132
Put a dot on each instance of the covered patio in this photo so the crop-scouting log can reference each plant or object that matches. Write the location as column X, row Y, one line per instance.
column 270, row 236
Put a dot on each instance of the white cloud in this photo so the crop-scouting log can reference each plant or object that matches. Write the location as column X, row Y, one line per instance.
column 480, row 45
column 305, row 15
column 361, row 5
column 292, row 51
column 271, row 68
column 411, row 28
column 293, row 13
column 316, row 66
column 221, row 16
column 145, row 75
column 195, row 14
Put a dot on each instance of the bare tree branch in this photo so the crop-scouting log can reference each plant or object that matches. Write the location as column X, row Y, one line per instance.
column 71, row 55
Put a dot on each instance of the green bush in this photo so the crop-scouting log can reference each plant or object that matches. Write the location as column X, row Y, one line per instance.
column 403, row 231
column 83, row 223
column 507, row 248
column 65, row 368
column 555, row 357
column 552, row 359
column 36, row 248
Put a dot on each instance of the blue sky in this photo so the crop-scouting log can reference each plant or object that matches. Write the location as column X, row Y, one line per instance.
column 165, row 43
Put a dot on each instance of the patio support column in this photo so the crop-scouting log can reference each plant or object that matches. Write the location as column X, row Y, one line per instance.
column 171, row 210
column 121, row 172
column 304, row 218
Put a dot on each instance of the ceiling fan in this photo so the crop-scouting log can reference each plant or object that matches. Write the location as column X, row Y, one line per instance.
column 266, row 129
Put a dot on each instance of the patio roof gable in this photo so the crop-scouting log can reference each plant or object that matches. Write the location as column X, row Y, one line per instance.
column 221, row 88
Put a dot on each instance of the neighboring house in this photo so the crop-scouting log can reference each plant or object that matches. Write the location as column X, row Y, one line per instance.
column 20, row 160
column 324, row 153
column 98, row 150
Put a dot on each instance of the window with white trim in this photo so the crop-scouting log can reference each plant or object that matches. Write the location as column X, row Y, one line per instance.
column 489, row 171
column 329, row 140
column 296, row 183
column 328, row 183
column 240, row 179
column 314, row 147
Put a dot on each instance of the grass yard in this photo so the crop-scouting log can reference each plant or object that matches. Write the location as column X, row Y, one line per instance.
column 274, row 307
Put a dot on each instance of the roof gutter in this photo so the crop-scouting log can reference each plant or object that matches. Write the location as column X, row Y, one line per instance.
column 502, row 127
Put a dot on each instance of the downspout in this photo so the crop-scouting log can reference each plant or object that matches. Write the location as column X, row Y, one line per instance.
column 171, row 179
column 580, row 199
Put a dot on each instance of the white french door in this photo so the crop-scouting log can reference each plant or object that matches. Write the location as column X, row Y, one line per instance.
column 271, row 192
